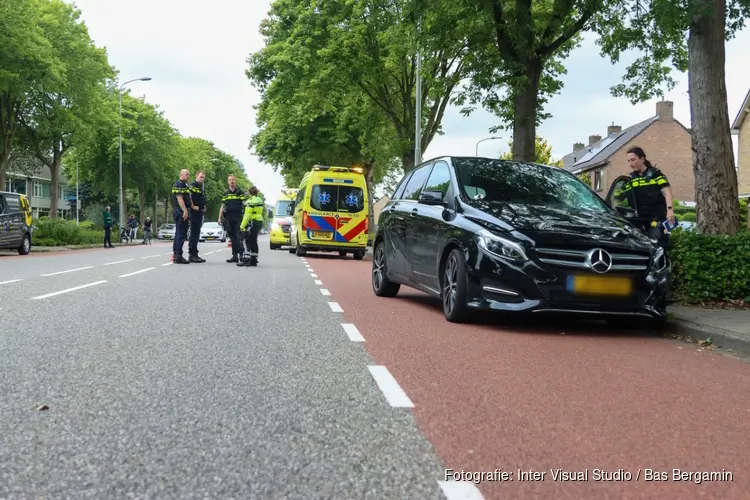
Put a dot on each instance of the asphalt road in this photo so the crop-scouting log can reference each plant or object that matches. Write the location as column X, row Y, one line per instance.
column 125, row 376
column 500, row 395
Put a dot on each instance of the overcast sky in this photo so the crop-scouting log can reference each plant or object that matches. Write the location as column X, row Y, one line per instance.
column 196, row 53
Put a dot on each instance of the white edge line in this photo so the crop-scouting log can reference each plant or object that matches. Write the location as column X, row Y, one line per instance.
column 68, row 290
column 310, row 270
column 352, row 332
column 325, row 291
column 118, row 262
column 335, row 307
column 68, row 271
column 317, row 282
column 460, row 490
column 136, row 272
column 313, row 275
column 388, row 385
column 9, row 281
column 167, row 264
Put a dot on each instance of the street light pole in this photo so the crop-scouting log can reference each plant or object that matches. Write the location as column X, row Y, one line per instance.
column 119, row 93
column 418, row 104
column 78, row 200
column 476, row 149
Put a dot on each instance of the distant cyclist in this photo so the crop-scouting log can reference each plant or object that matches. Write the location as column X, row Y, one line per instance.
column 147, row 231
column 649, row 188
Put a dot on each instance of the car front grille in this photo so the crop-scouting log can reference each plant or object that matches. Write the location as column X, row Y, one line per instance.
column 622, row 260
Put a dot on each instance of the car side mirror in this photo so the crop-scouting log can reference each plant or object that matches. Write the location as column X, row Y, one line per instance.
column 431, row 198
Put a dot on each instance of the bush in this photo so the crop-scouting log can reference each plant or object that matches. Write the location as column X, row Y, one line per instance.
column 61, row 232
column 708, row 268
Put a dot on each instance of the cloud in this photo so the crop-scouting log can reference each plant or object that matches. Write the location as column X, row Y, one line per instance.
column 196, row 53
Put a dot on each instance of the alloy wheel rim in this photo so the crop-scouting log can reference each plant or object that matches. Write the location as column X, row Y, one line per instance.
column 377, row 272
column 26, row 244
column 449, row 285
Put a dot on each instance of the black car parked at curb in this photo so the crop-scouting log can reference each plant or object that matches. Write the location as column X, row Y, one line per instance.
column 488, row 234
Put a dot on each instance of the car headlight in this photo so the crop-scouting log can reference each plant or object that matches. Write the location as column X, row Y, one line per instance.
column 501, row 247
column 660, row 259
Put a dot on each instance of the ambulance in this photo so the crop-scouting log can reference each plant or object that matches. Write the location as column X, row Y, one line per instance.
column 331, row 212
column 282, row 222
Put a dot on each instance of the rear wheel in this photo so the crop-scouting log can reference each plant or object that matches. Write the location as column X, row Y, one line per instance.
column 453, row 287
column 381, row 285
column 274, row 246
column 342, row 254
column 359, row 255
column 25, row 247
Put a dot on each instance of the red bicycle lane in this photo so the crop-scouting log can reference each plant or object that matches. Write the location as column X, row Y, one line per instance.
column 627, row 410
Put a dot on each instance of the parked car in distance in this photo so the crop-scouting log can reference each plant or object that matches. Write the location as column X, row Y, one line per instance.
column 166, row 232
column 212, row 231
column 482, row 233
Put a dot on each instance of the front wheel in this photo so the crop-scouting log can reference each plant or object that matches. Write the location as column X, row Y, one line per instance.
column 453, row 289
column 359, row 255
column 381, row 285
column 25, row 247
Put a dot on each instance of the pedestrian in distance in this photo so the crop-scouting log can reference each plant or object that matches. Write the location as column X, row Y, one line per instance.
column 108, row 223
column 197, row 208
column 251, row 224
column 180, row 204
column 231, row 211
column 147, row 231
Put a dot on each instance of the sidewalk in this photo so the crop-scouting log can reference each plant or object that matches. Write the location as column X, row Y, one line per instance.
column 725, row 328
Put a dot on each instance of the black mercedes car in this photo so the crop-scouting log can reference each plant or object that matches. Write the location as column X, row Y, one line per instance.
column 482, row 233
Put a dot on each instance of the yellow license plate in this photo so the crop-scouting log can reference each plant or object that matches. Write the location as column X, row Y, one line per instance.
column 600, row 285
column 321, row 235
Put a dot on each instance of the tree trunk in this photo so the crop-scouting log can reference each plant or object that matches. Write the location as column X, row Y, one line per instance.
column 525, row 111
column 166, row 210
column 716, row 193
column 142, row 202
column 124, row 208
column 54, row 171
column 369, row 172
column 156, row 204
column 4, row 157
column 407, row 158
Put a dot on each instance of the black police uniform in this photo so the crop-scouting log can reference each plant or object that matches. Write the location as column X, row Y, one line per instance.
column 644, row 192
column 233, row 212
column 180, row 189
column 196, row 220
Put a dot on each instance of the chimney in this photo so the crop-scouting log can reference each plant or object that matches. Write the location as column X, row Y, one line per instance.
column 665, row 110
column 613, row 129
column 593, row 139
column 578, row 146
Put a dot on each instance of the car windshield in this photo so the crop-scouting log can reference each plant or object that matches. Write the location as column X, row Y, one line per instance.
column 168, row 226
column 499, row 181
column 281, row 207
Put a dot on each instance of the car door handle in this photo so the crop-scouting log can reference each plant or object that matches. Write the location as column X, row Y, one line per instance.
column 413, row 212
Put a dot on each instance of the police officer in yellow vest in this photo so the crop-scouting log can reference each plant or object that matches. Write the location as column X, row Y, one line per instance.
column 251, row 225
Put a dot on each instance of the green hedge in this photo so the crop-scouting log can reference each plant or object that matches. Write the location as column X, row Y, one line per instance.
column 61, row 232
column 708, row 268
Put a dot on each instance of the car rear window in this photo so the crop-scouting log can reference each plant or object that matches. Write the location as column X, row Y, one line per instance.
column 337, row 198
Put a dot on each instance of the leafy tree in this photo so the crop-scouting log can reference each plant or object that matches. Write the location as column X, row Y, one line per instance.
column 518, row 46
column 688, row 36
column 26, row 57
column 543, row 153
column 59, row 109
column 361, row 47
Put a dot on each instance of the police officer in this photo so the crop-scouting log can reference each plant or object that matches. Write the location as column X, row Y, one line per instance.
column 650, row 192
column 231, row 210
column 197, row 207
column 181, row 203
column 252, row 223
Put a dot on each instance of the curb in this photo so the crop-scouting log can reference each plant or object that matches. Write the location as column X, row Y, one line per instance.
column 721, row 338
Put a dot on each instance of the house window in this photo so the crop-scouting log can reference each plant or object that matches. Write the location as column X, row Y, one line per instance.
column 598, row 180
column 40, row 189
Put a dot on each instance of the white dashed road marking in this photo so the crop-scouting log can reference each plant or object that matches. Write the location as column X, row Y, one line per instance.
column 393, row 392
column 313, row 275
column 352, row 332
column 317, row 282
column 118, row 262
column 310, row 269
column 149, row 256
column 209, row 253
column 68, row 290
column 335, row 307
column 137, row 272
column 9, row 281
column 460, row 490
column 325, row 291
column 167, row 264
column 68, row 271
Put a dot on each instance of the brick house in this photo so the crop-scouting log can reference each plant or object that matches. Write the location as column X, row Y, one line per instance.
column 741, row 128
column 667, row 144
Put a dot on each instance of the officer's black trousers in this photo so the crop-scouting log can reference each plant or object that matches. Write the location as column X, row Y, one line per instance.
column 196, row 221
column 251, row 237
column 233, row 226
column 180, row 232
